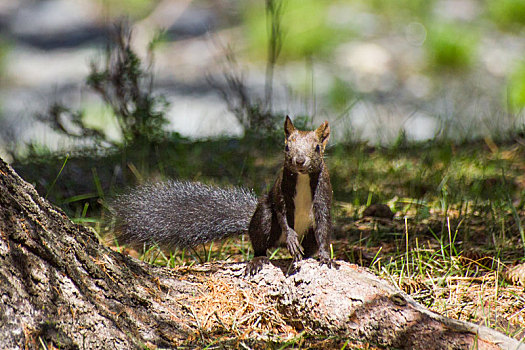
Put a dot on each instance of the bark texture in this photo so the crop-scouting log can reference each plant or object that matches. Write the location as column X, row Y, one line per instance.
column 60, row 286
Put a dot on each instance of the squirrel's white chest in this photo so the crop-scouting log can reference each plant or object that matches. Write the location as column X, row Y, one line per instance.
column 303, row 214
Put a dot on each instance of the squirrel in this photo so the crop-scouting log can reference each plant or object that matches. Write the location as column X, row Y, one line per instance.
column 294, row 212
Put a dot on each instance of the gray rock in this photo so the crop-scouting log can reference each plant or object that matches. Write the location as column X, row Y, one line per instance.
column 57, row 23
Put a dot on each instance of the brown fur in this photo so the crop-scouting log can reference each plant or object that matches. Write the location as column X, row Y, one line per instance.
column 273, row 220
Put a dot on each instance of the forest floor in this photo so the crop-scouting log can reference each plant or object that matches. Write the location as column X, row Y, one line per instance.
column 445, row 226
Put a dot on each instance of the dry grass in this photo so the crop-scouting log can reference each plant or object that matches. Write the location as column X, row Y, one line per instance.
column 483, row 300
column 228, row 316
column 228, row 312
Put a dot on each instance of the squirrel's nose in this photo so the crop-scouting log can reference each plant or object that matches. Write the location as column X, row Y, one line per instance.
column 300, row 160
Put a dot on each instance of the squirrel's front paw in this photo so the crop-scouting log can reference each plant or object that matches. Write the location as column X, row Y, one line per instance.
column 293, row 245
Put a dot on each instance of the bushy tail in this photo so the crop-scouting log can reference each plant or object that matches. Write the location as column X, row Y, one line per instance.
column 182, row 214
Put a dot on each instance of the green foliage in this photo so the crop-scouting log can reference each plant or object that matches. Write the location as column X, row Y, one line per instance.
column 126, row 87
column 516, row 88
column 341, row 94
column 507, row 14
column 450, row 47
column 403, row 8
column 101, row 117
column 133, row 8
column 71, row 123
column 305, row 28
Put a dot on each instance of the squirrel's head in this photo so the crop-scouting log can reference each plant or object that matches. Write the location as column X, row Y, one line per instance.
column 304, row 150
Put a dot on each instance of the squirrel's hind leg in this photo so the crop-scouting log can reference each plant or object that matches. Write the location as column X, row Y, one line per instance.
column 259, row 232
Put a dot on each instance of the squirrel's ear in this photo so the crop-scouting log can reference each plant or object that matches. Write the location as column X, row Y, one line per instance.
column 323, row 133
column 288, row 127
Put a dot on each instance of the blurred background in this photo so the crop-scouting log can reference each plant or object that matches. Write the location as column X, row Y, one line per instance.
column 375, row 69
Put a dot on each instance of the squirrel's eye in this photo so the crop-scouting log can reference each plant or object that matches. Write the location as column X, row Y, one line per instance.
column 286, row 148
column 318, row 148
